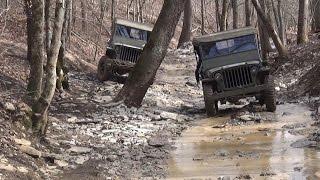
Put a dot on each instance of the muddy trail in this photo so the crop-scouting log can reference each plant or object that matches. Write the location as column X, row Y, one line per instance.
column 90, row 137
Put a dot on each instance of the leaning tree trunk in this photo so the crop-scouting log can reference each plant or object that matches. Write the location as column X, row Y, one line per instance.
column 283, row 52
column 143, row 74
column 40, row 108
column 37, row 47
column 247, row 12
column 235, row 13
column 302, row 36
column 187, row 22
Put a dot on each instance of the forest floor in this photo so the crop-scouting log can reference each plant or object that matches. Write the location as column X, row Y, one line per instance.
column 91, row 138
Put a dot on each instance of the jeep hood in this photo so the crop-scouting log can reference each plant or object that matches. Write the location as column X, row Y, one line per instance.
column 138, row 44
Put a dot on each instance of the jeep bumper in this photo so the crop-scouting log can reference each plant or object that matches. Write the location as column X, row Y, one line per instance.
column 241, row 92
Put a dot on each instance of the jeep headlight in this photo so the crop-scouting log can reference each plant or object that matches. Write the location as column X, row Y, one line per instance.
column 218, row 76
column 254, row 69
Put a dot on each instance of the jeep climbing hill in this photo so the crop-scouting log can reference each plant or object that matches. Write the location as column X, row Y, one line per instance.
column 124, row 48
column 230, row 67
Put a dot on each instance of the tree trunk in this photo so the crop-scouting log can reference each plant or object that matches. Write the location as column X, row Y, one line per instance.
column 283, row 52
column 40, row 108
column 218, row 14
column 248, row 13
column 47, row 24
column 316, row 16
column 84, row 15
column 265, row 34
column 235, row 13
column 37, row 47
column 187, row 23
column 302, row 36
column 223, row 19
column 282, row 27
column 202, row 17
column 62, row 80
column 74, row 13
column 28, row 12
column 153, row 54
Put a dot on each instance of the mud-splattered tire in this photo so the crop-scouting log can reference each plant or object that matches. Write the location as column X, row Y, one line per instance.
column 210, row 105
column 269, row 97
column 103, row 73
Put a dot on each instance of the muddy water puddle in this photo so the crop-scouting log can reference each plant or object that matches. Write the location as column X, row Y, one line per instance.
column 259, row 151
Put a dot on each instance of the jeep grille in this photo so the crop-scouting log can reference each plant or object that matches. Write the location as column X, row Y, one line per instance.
column 237, row 77
column 128, row 54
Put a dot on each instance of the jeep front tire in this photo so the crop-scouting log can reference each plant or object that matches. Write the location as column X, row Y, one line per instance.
column 103, row 73
column 210, row 105
column 269, row 97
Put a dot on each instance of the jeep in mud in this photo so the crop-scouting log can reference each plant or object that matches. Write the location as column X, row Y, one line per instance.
column 230, row 67
column 124, row 48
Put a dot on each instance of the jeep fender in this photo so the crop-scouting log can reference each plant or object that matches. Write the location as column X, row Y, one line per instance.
column 111, row 53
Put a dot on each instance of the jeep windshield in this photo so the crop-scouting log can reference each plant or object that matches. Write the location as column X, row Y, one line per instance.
column 132, row 33
column 229, row 46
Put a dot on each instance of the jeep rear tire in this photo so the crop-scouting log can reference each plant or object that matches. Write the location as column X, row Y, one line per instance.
column 269, row 97
column 103, row 73
column 210, row 105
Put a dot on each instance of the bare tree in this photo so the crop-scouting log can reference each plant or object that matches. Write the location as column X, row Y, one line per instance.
column 316, row 15
column 302, row 36
column 47, row 25
column 224, row 15
column 283, row 52
column 40, row 108
column 37, row 47
column 153, row 54
column 84, row 15
column 187, row 23
column 235, row 13
column 62, row 79
column 247, row 11
column 202, row 17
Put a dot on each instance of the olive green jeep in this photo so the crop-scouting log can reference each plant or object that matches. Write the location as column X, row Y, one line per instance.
column 230, row 67
column 124, row 48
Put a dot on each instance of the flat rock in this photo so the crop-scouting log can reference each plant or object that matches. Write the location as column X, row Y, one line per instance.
column 61, row 163
column 82, row 159
column 22, row 142
column 22, row 169
column 30, row 151
column 8, row 167
column 79, row 150
column 158, row 141
column 9, row 106
column 168, row 115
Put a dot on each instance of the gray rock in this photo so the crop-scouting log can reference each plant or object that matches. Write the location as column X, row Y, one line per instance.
column 79, row 150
